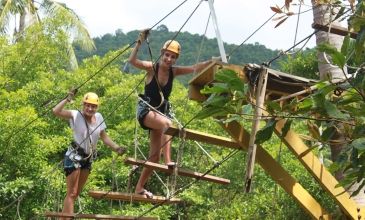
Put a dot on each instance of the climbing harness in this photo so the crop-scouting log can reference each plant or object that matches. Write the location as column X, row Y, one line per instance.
column 76, row 153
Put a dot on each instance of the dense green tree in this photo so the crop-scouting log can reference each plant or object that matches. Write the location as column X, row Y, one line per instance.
column 302, row 63
column 33, row 79
column 337, row 107
column 30, row 13
column 190, row 46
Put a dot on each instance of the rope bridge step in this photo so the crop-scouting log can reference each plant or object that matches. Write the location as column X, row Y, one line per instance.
column 180, row 172
column 92, row 216
column 131, row 197
column 202, row 137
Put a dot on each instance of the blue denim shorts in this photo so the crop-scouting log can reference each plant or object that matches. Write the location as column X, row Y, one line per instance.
column 69, row 166
column 142, row 111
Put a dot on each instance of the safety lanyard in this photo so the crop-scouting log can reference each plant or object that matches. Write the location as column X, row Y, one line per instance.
column 88, row 133
column 155, row 75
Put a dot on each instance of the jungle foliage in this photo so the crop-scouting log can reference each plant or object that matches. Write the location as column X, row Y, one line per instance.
column 335, row 105
column 33, row 79
column 191, row 49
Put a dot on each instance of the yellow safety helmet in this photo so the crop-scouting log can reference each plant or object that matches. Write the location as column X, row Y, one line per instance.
column 91, row 98
column 172, row 46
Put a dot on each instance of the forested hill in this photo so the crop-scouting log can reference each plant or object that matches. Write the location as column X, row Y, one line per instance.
column 190, row 48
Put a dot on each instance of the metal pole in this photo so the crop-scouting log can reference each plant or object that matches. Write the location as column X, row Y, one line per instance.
column 217, row 33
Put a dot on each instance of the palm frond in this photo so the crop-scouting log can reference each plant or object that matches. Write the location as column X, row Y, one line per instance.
column 72, row 64
column 76, row 26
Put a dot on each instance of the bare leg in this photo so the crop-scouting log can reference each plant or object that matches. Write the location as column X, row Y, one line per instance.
column 167, row 148
column 74, row 183
column 158, row 123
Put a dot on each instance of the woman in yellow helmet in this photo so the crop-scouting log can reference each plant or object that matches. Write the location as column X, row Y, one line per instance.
column 165, row 72
column 88, row 125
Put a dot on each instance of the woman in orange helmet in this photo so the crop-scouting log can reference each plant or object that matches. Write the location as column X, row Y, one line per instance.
column 88, row 125
column 154, row 89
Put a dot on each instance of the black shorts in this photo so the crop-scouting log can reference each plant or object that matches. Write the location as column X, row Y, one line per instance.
column 69, row 166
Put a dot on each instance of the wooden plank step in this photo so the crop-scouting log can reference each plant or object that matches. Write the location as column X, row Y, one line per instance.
column 130, row 197
column 92, row 216
column 335, row 29
column 164, row 168
column 203, row 137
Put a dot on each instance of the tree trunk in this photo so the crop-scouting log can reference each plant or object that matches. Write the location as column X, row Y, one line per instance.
column 321, row 14
column 21, row 32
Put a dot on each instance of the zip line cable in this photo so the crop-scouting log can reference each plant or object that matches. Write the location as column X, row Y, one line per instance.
column 258, row 30
column 231, row 154
column 295, row 37
column 96, row 74
column 21, row 196
column 136, row 86
column 47, row 111
column 98, row 199
column 168, row 14
column 184, row 126
column 29, row 53
column 252, row 34
column 307, row 38
column 216, row 164
column 103, row 67
column 133, row 171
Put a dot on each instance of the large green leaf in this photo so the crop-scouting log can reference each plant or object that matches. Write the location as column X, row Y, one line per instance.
column 337, row 57
column 211, row 112
column 286, row 127
column 265, row 133
column 358, row 144
column 332, row 111
column 340, row 13
column 216, row 88
column 342, row 159
column 354, row 158
column 333, row 167
column 217, row 100
column 327, row 133
column 292, row 104
column 357, row 191
column 345, row 44
column 359, row 44
column 361, row 174
column 231, row 78
column 272, row 107
column 247, row 109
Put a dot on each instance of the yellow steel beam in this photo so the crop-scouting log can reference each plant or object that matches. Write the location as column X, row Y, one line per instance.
column 270, row 165
column 318, row 171
column 206, row 77
column 277, row 172
column 180, row 172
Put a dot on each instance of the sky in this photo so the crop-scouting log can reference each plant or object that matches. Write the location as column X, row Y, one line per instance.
column 236, row 19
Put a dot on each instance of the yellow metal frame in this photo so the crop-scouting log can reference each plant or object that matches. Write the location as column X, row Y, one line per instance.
column 273, row 168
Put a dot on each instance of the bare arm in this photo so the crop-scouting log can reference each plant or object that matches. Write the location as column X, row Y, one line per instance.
column 59, row 112
column 184, row 70
column 107, row 141
column 143, row 65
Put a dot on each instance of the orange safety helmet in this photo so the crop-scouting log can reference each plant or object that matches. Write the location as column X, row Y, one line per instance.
column 172, row 46
column 91, row 98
